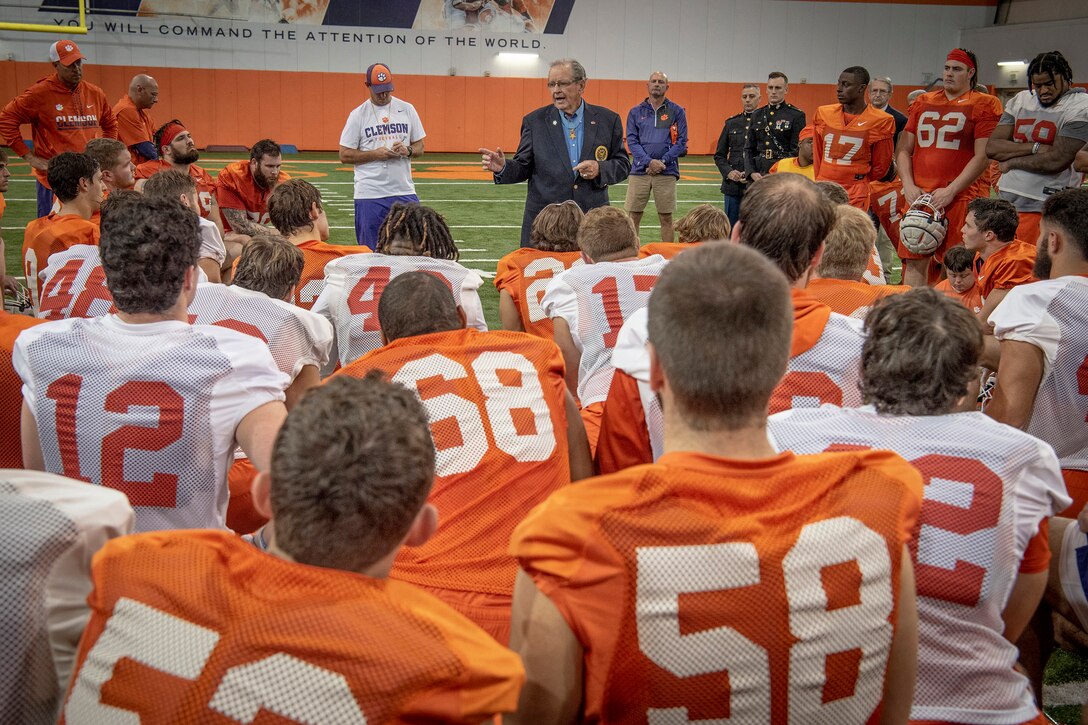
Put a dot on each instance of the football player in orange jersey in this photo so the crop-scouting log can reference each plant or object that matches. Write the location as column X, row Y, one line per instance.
column 295, row 210
column 142, row 401
column 589, row 304
column 787, row 219
column 838, row 282
column 213, row 259
column 961, row 283
column 981, row 556
column 115, row 160
column 338, row 642
column 506, row 430
column 704, row 223
column 177, row 150
column 522, row 275
column 1042, row 378
column 852, row 141
column 242, row 190
column 725, row 581
column 76, row 181
column 989, row 230
column 942, row 152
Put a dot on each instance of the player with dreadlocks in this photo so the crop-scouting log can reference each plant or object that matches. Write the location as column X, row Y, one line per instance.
column 413, row 238
column 1037, row 139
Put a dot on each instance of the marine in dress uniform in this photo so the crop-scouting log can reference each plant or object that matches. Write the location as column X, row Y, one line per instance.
column 729, row 156
column 772, row 135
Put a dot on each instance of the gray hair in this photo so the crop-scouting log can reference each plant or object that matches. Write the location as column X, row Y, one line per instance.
column 914, row 94
column 577, row 70
column 884, row 79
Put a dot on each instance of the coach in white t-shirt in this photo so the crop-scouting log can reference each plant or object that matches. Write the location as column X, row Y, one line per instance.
column 380, row 138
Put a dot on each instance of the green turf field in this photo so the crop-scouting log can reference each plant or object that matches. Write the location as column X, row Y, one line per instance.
column 485, row 218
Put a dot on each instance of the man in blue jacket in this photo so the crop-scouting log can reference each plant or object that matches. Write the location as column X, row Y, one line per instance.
column 568, row 150
column 657, row 136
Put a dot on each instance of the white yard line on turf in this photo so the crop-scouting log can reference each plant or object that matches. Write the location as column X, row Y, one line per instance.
column 1067, row 693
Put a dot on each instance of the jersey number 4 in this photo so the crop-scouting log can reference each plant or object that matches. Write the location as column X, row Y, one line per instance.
column 666, row 573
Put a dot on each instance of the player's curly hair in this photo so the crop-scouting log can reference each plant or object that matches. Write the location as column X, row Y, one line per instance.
column 1053, row 64
column 417, row 303
column 421, row 225
column 921, row 350
column 269, row 264
column 704, row 223
column 995, row 215
column 555, row 228
column 351, row 468
column 289, row 206
column 117, row 199
column 146, row 249
column 1068, row 210
column 66, row 169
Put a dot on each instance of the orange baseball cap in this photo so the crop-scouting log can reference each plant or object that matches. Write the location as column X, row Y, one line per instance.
column 64, row 51
column 806, row 132
column 379, row 78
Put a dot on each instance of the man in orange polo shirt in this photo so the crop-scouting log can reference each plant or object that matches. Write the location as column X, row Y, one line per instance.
column 77, row 182
column 294, row 208
column 134, row 124
column 242, row 190
column 63, row 111
column 989, row 230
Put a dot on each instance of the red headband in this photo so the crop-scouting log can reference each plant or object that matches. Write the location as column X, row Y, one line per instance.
column 170, row 133
column 962, row 57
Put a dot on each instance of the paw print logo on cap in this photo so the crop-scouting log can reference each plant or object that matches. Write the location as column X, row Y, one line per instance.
column 382, row 77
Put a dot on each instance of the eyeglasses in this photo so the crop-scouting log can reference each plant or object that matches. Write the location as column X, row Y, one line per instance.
column 560, row 84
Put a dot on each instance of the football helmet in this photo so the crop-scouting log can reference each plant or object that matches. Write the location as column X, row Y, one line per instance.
column 923, row 226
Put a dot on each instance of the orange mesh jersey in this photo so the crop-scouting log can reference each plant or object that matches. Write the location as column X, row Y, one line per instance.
column 315, row 255
column 200, row 626
column 1008, row 267
column 47, row 236
column 11, row 389
column 848, row 297
column 524, row 274
column 971, row 299
column 945, row 133
column 496, row 404
column 668, row 250
column 886, row 200
column 236, row 189
column 852, row 150
column 205, row 185
column 704, row 588
column 134, row 126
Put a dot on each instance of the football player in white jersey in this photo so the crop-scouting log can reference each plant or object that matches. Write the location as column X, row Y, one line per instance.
column 171, row 184
column 588, row 305
column 1037, row 138
column 989, row 492
column 413, row 238
column 1042, row 378
column 50, row 527
column 141, row 401
column 257, row 302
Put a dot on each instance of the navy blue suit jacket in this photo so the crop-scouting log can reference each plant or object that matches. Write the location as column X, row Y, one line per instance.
column 542, row 159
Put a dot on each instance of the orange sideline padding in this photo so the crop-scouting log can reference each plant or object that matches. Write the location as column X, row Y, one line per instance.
column 460, row 113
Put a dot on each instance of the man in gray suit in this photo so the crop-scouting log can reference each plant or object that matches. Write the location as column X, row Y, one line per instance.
column 568, row 150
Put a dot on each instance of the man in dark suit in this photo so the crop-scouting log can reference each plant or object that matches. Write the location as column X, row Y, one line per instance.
column 880, row 93
column 568, row 150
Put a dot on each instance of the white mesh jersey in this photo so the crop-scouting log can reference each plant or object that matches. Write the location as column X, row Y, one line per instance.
column 1052, row 315
column 354, row 284
column 211, row 241
column 74, row 285
column 595, row 300
column 631, row 357
column 827, row 372
column 1034, row 123
column 50, row 527
column 147, row 409
column 296, row 337
column 987, row 489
